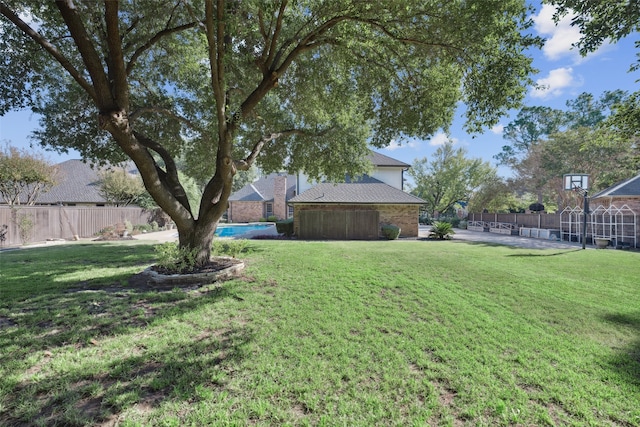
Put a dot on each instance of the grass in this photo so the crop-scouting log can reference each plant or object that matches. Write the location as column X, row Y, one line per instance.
column 396, row 333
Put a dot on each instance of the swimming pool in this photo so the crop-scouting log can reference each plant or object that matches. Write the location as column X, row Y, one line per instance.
column 236, row 230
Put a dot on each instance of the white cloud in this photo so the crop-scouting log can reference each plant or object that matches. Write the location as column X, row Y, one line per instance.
column 394, row 144
column 441, row 138
column 497, row 129
column 553, row 85
column 560, row 36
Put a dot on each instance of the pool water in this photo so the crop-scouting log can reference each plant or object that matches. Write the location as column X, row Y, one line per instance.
column 235, row 230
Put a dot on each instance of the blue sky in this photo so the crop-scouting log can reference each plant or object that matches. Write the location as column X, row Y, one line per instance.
column 563, row 73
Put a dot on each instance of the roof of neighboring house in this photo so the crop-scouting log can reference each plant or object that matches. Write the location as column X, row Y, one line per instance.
column 262, row 189
column 77, row 182
column 629, row 187
column 381, row 160
column 369, row 191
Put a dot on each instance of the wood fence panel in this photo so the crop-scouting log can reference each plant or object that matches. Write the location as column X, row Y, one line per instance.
column 339, row 225
column 64, row 222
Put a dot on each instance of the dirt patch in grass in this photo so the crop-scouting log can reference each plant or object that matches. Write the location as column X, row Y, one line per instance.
column 5, row 322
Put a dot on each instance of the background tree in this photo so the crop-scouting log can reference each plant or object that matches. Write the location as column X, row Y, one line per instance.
column 120, row 188
column 223, row 83
column 23, row 176
column 601, row 22
column 493, row 195
column 530, row 125
column 450, row 177
column 546, row 143
column 243, row 178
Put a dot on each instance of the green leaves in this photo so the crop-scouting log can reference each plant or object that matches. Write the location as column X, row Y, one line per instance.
column 449, row 178
column 23, row 176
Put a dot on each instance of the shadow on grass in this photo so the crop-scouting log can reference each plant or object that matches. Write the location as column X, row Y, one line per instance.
column 55, row 337
column 520, row 246
column 627, row 362
column 565, row 252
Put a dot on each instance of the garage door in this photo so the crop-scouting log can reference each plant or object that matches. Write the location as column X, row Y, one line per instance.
column 339, row 225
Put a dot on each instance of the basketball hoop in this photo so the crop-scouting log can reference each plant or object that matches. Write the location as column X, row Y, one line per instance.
column 576, row 181
column 579, row 183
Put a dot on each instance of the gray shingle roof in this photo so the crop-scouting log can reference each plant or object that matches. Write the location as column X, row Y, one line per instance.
column 262, row 189
column 381, row 160
column 77, row 182
column 629, row 187
column 357, row 193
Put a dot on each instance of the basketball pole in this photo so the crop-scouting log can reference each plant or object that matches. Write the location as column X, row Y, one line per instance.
column 584, row 219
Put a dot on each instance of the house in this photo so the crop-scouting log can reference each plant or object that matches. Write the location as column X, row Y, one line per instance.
column 615, row 213
column 261, row 199
column 355, row 209
column 77, row 184
column 623, row 193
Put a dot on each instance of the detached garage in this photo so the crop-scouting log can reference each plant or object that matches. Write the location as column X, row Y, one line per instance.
column 354, row 211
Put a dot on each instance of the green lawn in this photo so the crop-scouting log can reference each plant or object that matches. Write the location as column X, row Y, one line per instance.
column 342, row 333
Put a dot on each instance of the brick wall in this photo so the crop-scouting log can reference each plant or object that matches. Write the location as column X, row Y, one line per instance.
column 245, row 211
column 280, row 197
column 404, row 216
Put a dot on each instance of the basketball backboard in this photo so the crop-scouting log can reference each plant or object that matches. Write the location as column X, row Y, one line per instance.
column 576, row 181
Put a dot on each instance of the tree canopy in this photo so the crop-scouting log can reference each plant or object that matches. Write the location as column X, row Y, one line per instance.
column 222, row 84
column 546, row 143
column 23, row 176
column 120, row 188
column 450, row 177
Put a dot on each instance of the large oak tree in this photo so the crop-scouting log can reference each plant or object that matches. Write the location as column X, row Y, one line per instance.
column 221, row 84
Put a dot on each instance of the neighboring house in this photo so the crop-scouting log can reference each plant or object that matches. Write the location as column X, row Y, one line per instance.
column 77, row 184
column 356, row 209
column 623, row 193
column 615, row 212
column 266, row 197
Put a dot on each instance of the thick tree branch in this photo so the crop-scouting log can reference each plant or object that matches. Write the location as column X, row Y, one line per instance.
column 169, row 178
column 50, row 48
column 276, row 35
column 90, row 57
column 215, row 40
column 117, row 70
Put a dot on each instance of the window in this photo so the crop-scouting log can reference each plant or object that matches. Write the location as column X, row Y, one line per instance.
column 290, row 213
column 268, row 209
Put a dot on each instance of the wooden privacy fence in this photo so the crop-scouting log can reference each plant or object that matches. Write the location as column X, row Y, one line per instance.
column 339, row 225
column 65, row 222
column 548, row 221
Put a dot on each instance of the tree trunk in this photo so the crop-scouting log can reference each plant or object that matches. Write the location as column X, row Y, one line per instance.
column 198, row 238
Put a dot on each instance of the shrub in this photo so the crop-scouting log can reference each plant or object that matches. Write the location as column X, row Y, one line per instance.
column 463, row 224
column 272, row 218
column 453, row 220
column 154, row 225
column 128, row 226
column 228, row 247
column 285, row 227
column 262, row 220
column 424, row 219
column 175, row 259
column 142, row 228
column 25, row 224
column 441, row 230
column 391, row 232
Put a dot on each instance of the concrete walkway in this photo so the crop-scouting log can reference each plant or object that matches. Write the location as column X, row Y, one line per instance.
column 503, row 239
